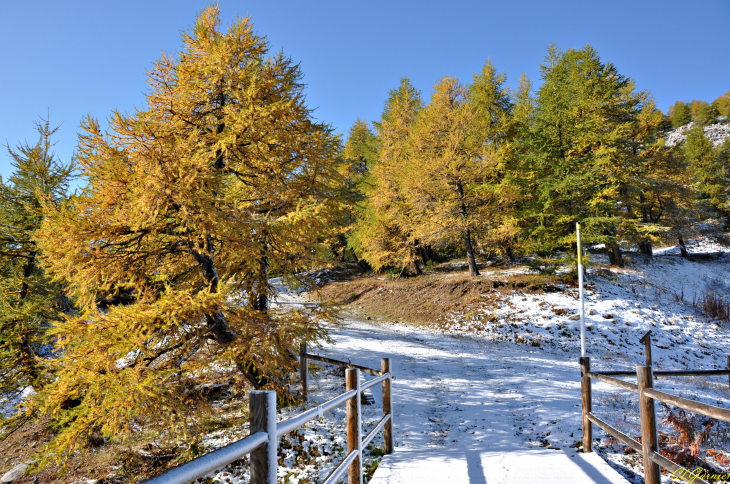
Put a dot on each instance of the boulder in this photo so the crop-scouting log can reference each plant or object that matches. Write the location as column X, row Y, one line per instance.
column 15, row 473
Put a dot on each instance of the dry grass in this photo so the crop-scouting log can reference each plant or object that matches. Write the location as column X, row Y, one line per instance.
column 429, row 298
column 111, row 462
column 714, row 306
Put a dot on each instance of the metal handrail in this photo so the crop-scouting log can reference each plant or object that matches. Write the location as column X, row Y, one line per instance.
column 201, row 466
column 218, row 459
column 341, row 468
column 294, row 423
column 374, row 381
column 369, row 437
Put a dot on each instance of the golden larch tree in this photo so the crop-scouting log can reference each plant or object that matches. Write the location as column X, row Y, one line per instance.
column 190, row 202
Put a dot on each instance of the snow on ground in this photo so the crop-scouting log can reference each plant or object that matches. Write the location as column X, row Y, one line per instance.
column 622, row 304
column 309, row 454
column 481, row 385
column 660, row 294
column 9, row 403
column 506, row 378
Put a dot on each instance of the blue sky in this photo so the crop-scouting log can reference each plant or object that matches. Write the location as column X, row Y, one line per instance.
column 79, row 57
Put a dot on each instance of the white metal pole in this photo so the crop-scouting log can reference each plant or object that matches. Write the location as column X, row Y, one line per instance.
column 359, row 423
column 580, row 291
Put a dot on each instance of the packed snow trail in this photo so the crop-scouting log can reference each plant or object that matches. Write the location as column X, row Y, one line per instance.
column 474, row 411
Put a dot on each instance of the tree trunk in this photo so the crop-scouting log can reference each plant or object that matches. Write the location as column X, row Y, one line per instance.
column 426, row 253
column 507, row 254
column 470, row 253
column 343, row 242
column 646, row 248
column 416, row 268
column 219, row 329
column 261, row 299
column 361, row 263
column 28, row 357
column 682, row 246
column 614, row 255
column 467, row 235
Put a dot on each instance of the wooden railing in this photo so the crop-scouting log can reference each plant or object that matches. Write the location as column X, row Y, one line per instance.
column 304, row 357
column 649, row 446
column 264, row 430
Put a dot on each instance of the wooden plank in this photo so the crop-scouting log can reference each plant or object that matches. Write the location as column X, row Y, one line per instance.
column 346, row 364
column 615, row 373
column 649, row 440
column 677, row 470
column 585, row 397
column 669, row 372
column 691, row 405
column 354, row 475
column 259, row 403
column 387, row 408
column 614, row 381
column 692, row 373
column 615, row 432
column 303, row 369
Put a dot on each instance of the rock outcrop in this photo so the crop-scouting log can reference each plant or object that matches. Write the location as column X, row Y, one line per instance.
column 717, row 133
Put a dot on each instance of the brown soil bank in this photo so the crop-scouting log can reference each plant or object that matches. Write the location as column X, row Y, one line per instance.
column 429, row 298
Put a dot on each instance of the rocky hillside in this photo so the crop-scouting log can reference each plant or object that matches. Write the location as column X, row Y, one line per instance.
column 716, row 132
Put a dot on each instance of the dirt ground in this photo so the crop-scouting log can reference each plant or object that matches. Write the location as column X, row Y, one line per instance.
column 427, row 298
column 107, row 463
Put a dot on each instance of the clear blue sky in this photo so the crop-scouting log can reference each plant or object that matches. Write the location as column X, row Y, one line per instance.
column 78, row 57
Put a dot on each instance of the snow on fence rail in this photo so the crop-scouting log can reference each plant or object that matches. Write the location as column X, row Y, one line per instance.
column 265, row 430
column 649, row 446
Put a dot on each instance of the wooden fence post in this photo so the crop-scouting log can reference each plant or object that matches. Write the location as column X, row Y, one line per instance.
column 646, row 339
column 303, row 369
column 387, row 409
column 585, row 397
column 262, row 417
column 354, row 439
column 649, row 441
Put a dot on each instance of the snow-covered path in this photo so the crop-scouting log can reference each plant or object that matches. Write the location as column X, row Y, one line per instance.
column 470, row 410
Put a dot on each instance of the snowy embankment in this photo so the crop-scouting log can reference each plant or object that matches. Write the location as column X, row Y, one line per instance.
column 663, row 295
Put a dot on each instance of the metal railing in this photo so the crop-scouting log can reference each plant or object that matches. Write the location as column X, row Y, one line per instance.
column 265, row 431
column 649, row 446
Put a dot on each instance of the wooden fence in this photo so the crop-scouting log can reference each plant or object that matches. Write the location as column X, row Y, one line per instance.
column 264, row 430
column 304, row 357
column 649, row 446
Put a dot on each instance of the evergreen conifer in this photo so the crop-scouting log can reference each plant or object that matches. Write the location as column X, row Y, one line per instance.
column 30, row 302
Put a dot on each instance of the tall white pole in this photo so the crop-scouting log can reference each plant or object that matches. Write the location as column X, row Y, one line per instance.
column 580, row 290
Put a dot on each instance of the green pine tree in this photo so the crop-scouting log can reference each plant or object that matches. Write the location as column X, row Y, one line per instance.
column 722, row 104
column 30, row 302
column 575, row 168
column 710, row 168
column 384, row 235
column 706, row 114
column 681, row 114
